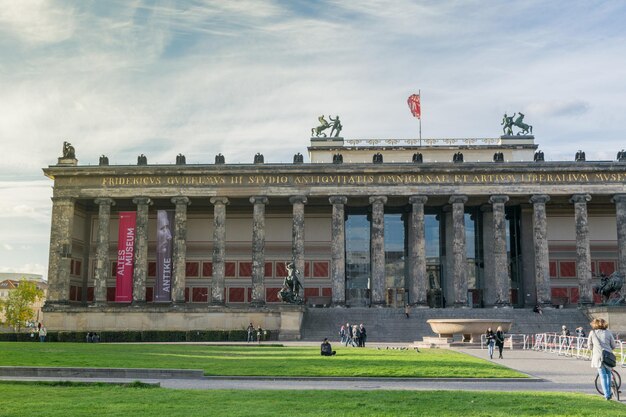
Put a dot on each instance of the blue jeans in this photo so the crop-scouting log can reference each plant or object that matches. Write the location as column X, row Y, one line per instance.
column 490, row 348
column 605, row 378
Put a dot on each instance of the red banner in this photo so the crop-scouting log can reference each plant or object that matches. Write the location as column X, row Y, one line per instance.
column 415, row 106
column 125, row 257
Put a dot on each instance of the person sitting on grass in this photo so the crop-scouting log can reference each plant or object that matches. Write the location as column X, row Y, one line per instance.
column 326, row 348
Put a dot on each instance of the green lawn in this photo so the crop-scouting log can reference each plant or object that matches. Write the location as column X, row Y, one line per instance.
column 32, row 400
column 254, row 360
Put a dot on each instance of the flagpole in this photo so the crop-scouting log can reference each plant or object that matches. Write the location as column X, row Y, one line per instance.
column 419, row 93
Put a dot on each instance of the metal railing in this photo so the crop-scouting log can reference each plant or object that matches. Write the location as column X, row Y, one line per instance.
column 428, row 142
column 573, row 346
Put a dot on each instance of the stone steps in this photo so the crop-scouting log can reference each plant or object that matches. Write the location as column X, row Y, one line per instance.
column 391, row 324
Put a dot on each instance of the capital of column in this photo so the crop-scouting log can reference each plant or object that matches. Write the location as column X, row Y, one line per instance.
column 338, row 199
column 219, row 200
column 103, row 201
column 378, row 199
column 495, row 199
column 580, row 198
column 619, row 198
column 418, row 199
column 458, row 199
column 298, row 199
column 539, row 199
column 259, row 200
column 181, row 200
column 142, row 201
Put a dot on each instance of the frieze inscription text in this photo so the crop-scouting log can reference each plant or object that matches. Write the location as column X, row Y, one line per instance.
column 364, row 179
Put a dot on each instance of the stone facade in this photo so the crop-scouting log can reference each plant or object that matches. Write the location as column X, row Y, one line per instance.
column 237, row 226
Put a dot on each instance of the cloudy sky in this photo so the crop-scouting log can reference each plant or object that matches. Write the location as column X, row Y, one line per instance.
column 238, row 77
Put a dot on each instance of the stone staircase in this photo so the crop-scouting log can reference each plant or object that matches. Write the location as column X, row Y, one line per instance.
column 391, row 325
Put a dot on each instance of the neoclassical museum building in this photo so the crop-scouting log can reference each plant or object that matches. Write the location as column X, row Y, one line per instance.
column 440, row 223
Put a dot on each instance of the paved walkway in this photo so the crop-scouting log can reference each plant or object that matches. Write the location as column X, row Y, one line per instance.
column 548, row 372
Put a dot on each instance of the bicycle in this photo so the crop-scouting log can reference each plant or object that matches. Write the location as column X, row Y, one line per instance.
column 616, row 384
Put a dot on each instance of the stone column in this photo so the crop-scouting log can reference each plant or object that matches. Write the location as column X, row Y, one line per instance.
column 500, row 264
column 459, row 257
column 258, row 250
column 620, row 218
column 542, row 254
column 583, row 248
column 297, row 232
column 102, row 250
column 180, row 249
column 219, row 249
column 140, row 273
column 338, row 250
column 378, row 249
column 489, row 279
column 60, row 250
column 418, row 281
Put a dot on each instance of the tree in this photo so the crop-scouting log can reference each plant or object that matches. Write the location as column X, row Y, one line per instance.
column 18, row 305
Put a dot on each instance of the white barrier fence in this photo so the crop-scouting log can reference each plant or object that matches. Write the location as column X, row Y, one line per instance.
column 573, row 346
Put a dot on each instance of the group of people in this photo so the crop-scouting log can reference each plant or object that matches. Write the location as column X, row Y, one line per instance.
column 496, row 339
column 252, row 332
column 353, row 335
column 93, row 337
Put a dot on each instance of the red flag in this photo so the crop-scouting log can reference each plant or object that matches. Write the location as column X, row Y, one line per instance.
column 415, row 105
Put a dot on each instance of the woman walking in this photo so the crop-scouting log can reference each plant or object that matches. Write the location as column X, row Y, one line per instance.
column 490, row 337
column 499, row 338
column 601, row 339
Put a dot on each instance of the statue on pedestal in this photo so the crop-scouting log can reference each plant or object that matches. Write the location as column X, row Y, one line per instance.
column 68, row 151
column 508, row 123
column 290, row 292
column 335, row 127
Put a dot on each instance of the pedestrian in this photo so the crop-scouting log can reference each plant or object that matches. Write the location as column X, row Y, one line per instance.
column 406, row 310
column 342, row 334
column 564, row 331
column 499, row 339
column 537, row 309
column 259, row 334
column 250, row 333
column 355, row 336
column 348, row 334
column 42, row 333
column 490, row 337
column 362, row 335
column 580, row 332
column 326, row 349
column 600, row 339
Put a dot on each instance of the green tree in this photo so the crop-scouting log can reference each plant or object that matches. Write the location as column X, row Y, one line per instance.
column 18, row 305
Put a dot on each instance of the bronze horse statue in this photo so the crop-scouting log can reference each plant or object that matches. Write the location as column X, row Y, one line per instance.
column 609, row 286
column 519, row 123
column 319, row 130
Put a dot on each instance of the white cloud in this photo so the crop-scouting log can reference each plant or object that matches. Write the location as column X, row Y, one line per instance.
column 36, row 21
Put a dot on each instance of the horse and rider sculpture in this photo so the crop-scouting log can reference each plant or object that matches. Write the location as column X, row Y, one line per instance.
column 508, row 123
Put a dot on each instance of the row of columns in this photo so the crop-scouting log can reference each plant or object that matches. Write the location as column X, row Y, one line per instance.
column 63, row 210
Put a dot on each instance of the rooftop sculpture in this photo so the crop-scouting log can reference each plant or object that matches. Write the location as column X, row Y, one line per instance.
column 335, row 127
column 508, row 123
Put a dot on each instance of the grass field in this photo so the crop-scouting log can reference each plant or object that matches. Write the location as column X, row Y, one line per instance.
column 254, row 360
column 32, row 400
